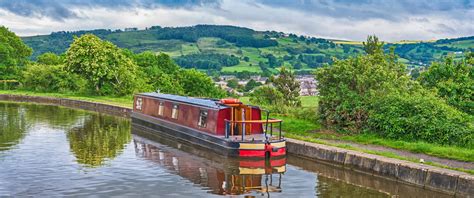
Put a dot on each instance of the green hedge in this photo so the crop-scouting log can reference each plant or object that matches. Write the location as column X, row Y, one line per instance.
column 420, row 116
column 9, row 84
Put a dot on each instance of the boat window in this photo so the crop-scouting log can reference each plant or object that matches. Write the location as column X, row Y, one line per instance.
column 161, row 108
column 202, row 118
column 174, row 112
column 138, row 104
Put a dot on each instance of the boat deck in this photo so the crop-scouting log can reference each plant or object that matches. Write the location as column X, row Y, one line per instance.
column 253, row 137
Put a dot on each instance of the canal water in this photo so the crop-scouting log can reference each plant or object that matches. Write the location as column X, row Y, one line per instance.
column 51, row 151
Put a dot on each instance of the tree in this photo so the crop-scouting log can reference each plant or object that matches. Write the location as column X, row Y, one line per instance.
column 453, row 81
column 251, row 84
column 159, row 72
column 373, row 45
column 107, row 69
column 233, row 83
column 198, row 84
column 347, row 87
column 415, row 73
column 49, row 58
column 267, row 96
column 13, row 54
column 288, row 86
column 273, row 61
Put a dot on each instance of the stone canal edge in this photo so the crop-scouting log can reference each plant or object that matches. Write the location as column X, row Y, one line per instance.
column 425, row 176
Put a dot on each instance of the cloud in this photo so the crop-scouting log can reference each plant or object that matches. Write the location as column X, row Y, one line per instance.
column 341, row 19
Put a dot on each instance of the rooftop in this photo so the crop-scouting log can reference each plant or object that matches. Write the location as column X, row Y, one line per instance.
column 204, row 102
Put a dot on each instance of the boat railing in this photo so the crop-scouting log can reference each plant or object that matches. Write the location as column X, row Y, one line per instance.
column 230, row 127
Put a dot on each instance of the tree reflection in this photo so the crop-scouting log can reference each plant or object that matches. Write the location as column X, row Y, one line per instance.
column 53, row 116
column 12, row 125
column 98, row 138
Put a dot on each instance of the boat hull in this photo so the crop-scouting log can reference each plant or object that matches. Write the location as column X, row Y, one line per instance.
column 218, row 144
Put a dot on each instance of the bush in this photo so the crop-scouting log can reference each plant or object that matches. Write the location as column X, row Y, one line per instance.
column 453, row 80
column 267, row 96
column 305, row 113
column 420, row 116
column 8, row 84
column 50, row 78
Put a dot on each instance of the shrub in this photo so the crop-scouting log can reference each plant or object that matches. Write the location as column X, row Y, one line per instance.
column 50, row 78
column 266, row 96
column 347, row 87
column 420, row 116
column 453, row 81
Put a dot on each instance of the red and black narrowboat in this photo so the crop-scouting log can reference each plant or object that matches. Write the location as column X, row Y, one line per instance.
column 225, row 126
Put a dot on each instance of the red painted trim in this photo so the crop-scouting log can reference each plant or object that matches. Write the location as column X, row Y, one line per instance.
column 279, row 152
column 251, row 153
column 261, row 153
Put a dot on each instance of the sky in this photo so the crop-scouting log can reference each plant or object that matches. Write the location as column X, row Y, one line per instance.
column 391, row 20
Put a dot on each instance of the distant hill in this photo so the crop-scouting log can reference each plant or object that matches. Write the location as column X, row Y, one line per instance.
column 229, row 49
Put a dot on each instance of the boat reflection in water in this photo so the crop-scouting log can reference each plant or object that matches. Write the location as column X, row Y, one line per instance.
column 215, row 173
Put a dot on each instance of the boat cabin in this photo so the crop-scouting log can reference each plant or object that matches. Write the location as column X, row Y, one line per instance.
column 229, row 118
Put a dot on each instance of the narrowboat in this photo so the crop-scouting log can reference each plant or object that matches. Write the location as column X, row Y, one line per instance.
column 226, row 126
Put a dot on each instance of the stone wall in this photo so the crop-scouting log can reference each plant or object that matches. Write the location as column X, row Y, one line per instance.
column 425, row 176
column 91, row 106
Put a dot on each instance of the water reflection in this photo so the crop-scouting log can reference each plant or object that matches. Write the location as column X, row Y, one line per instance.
column 12, row 125
column 222, row 176
column 98, row 138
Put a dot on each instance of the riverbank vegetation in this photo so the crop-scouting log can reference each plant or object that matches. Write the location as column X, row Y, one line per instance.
column 370, row 99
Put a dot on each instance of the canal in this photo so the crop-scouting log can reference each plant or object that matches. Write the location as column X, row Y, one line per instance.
column 54, row 151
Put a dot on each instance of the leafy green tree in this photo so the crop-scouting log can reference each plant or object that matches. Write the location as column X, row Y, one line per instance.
column 251, row 84
column 373, row 45
column 347, row 87
column 49, row 58
column 267, row 96
column 233, row 83
column 107, row 69
column 288, row 86
column 160, row 72
column 198, row 84
column 415, row 73
column 13, row 54
column 453, row 81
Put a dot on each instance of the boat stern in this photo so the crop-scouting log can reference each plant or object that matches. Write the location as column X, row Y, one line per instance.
column 262, row 149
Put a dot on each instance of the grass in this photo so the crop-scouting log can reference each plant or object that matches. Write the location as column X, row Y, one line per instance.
column 117, row 101
column 242, row 67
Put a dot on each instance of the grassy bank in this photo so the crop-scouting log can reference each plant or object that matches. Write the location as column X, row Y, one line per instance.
column 302, row 129
column 117, row 101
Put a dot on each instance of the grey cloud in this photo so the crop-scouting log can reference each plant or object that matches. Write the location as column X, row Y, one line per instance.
column 61, row 9
column 393, row 10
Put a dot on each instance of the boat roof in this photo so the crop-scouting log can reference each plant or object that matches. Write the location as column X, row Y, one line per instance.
column 204, row 102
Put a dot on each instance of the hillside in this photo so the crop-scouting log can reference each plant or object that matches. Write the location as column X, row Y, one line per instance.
column 229, row 49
